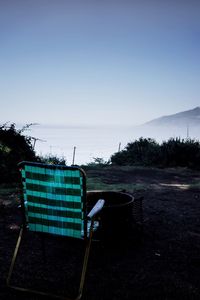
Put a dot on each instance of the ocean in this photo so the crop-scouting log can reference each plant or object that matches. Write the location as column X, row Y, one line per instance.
column 95, row 141
column 90, row 141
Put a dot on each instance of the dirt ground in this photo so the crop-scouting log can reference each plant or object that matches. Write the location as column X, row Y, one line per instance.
column 163, row 262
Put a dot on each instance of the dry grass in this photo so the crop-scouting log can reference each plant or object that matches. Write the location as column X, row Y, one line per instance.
column 163, row 265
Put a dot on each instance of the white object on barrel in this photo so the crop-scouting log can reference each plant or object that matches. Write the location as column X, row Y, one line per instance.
column 98, row 206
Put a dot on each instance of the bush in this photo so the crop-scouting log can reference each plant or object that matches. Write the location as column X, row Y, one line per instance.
column 14, row 147
column 144, row 151
column 98, row 162
column 183, row 153
column 171, row 153
column 53, row 159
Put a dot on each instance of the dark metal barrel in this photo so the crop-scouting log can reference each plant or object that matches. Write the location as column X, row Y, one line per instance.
column 116, row 216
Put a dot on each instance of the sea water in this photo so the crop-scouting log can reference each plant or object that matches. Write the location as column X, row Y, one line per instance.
column 95, row 141
column 90, row 141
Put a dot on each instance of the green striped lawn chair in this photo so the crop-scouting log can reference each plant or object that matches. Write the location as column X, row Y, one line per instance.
column 54, row 202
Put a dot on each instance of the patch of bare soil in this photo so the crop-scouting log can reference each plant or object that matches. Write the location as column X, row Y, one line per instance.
column 161, row 263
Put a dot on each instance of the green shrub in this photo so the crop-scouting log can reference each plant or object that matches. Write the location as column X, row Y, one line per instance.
column 53, row 159
column 98, row 162
column 144, row 151
column 180, row 152
column 172, row 153
column 14, row 147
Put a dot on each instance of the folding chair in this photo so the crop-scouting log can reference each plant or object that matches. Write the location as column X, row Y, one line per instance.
column 54, row 202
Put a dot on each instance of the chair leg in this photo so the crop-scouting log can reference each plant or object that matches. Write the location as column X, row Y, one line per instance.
column 85, row 262
column 83, row 274
column 14, row 256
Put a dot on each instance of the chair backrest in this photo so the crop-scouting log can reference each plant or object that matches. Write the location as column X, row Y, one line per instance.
column 54, row 199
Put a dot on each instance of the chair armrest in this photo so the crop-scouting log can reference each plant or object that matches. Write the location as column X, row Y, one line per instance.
column 96, row 209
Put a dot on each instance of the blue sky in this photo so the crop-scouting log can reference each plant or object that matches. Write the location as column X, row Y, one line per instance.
column 98, row 62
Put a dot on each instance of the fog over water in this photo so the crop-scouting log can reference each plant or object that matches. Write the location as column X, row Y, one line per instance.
column 99, row 141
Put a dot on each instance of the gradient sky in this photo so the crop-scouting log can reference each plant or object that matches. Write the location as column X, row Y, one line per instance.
column 98, row 62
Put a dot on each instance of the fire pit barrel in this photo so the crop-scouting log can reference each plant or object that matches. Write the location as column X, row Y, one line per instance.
column 116, row 216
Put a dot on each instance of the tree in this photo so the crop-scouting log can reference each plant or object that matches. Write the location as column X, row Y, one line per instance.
column 14, row 147
column 175, row 152
column 144, row 151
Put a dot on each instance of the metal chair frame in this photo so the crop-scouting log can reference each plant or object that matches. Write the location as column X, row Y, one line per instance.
column 87, row 237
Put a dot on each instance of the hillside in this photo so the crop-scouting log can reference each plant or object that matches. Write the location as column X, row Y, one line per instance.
column 183, row 125
column 189, row 117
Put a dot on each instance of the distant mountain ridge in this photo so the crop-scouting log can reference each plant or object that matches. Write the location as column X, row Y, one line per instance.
column 185, row 118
